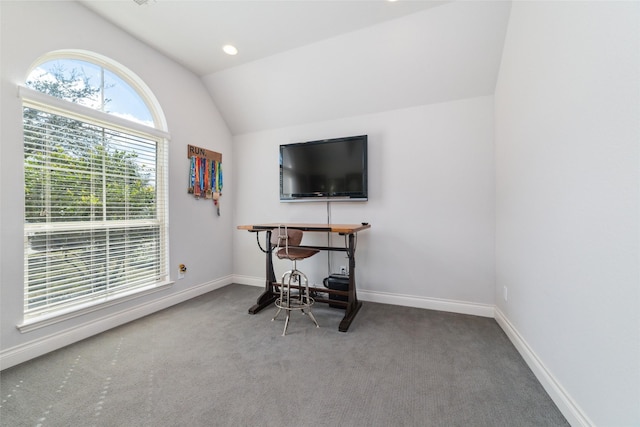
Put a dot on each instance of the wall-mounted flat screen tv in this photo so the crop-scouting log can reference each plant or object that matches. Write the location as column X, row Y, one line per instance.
column 329, row 169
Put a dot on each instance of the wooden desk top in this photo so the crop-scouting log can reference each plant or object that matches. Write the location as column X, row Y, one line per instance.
column 333, row 228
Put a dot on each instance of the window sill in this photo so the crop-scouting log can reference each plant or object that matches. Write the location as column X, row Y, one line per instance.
column 49, row 319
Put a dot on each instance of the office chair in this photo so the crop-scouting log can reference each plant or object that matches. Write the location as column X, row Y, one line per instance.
column 286, row 242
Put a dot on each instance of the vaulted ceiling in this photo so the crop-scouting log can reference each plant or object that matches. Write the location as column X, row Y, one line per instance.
column 309, row 60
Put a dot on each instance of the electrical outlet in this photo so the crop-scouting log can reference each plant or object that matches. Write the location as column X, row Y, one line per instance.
column 343, row 269
column 181, row 275
column 504, row 293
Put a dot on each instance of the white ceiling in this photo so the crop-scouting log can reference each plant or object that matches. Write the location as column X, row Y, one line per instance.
column 193, row 32
column 304, row 61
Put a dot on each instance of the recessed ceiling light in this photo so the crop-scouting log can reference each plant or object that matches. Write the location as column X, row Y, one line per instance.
column 229, row 49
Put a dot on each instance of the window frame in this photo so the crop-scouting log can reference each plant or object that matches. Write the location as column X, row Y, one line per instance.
column 49, row 104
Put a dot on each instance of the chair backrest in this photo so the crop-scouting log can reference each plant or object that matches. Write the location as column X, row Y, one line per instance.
column 284, row 237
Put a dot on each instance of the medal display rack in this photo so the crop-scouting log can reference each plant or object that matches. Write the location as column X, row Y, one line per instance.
column 205, row 174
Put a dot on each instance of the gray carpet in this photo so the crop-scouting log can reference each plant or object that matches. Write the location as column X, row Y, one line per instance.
column 207, row 362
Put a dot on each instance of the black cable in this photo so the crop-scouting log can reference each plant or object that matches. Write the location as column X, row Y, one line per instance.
column 258, row 240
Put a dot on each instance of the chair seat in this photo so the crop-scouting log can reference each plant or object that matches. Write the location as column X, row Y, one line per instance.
column 294, row 253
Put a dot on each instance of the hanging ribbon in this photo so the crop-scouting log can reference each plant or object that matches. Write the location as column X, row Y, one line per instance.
column 192, row 175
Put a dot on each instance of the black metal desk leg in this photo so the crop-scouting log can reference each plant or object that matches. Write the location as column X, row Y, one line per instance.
column 353, row 305
column 268, row 296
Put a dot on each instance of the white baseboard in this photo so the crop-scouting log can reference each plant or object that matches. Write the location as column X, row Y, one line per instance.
column 569, row 408
column 483, row 310
column 27, row 351
column 461, row 307
column 248, row 280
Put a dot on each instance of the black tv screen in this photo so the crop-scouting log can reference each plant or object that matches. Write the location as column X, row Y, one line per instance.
column 329, row 169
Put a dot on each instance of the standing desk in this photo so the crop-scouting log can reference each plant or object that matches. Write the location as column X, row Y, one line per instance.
column 351, row 305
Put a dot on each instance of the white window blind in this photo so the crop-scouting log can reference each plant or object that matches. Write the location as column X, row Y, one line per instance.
column 95, row 210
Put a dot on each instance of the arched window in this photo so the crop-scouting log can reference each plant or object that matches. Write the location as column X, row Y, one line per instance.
column 95, row 172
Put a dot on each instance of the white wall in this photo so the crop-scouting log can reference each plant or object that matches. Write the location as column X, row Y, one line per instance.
column 567, row 133
column 431, row 204
column 198, row 237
